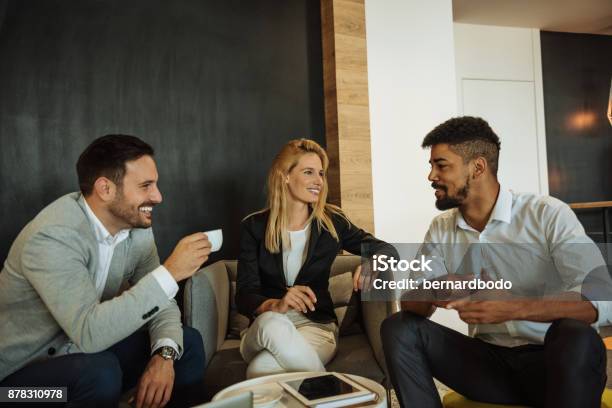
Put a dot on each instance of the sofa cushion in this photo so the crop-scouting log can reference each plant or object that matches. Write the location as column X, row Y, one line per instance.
column 205, row 307
column 346, row 303
column 237, row 322
column 224, row 369
column 355, row 357
column 341, row 288
column 344, row 263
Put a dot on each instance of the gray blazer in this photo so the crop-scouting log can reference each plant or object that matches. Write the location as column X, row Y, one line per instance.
column 48, row 297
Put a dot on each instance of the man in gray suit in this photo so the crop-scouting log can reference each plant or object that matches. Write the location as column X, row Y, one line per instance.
column 84, row 276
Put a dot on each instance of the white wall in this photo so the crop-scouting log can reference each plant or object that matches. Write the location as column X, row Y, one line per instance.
column 499, row 77
column 411, row 79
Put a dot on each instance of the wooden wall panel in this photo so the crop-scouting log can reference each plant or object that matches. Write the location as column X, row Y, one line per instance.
column 347, row 117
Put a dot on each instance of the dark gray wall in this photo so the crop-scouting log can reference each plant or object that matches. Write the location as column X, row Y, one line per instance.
column 576, row 70
column 3, row 4
column 217, row 87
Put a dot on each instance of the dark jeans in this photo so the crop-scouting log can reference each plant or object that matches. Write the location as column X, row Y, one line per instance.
column 569, row 370
column 98, row 379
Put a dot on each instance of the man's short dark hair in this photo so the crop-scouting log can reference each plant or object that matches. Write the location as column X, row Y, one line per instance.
column 106, row 157
column 469, row 137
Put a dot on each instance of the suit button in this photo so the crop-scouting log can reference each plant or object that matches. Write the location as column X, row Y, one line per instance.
column 51, row 351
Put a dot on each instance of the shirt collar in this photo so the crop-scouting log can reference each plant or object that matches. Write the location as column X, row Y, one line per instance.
column 502, row 210
column 100, row 231
column 503, row 207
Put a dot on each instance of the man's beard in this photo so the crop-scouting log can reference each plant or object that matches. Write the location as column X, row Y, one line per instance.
column 448, row 202
column 130, row 216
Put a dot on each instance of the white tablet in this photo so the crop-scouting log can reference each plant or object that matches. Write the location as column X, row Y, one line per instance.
column 328, row 391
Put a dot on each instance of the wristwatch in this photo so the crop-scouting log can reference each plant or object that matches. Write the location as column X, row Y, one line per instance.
column 167, row 353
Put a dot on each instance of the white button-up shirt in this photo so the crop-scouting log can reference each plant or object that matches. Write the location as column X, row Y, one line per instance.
column 536, row 242
column 106, row 247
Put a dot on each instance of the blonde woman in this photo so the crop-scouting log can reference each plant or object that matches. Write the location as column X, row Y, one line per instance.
column 286, row 252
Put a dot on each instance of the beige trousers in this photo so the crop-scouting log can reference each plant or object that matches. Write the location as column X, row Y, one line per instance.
column 277, row 343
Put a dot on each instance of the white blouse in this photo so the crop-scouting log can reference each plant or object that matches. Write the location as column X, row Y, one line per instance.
column 293, row 258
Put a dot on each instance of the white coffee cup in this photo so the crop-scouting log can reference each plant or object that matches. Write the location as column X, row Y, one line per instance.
column 216, row 239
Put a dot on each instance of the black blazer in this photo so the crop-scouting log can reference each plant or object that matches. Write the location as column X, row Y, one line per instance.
column 261, row 275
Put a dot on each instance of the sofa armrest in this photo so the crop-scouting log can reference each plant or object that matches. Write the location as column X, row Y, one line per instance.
column 206, row 305
column 373, row 315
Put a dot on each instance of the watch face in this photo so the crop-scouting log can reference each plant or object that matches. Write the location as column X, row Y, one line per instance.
column 167, row 353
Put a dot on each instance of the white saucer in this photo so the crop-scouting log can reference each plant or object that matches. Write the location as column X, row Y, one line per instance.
column 264, row 395
column 267, row 395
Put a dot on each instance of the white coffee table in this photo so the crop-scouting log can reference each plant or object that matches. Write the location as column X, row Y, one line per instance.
column 289, row 401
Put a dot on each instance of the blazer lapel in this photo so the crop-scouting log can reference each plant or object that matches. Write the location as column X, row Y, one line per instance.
column 315, row 233
column 278, row 260
column 93, row 242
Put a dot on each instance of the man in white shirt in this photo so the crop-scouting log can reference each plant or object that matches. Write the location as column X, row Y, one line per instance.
column 84, row 276
column 524, row 350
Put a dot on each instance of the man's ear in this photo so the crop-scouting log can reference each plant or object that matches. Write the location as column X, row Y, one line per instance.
column 480, row 167
column 105, row 189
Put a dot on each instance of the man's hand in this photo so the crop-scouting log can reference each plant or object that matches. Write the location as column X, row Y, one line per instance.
column 298, row 297
column 188, row 255
column 155, row 386
column 487, row 311
column 442, row 297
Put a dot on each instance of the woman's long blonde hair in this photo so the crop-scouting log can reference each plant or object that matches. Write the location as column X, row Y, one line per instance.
column 276, row 230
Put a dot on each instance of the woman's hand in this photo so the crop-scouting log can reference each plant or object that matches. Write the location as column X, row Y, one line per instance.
column 357, row 279
column 298, row 297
